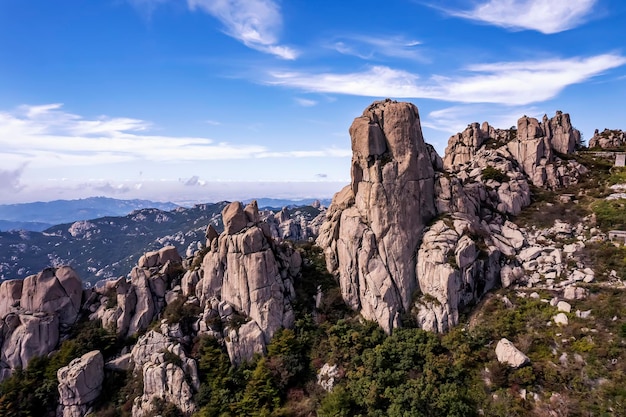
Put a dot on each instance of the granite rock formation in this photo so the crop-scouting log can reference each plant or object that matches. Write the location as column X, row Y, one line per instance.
column 379, row 238
column 608, row 139
column 246, row 275
column 34, row 313
column 80, row 383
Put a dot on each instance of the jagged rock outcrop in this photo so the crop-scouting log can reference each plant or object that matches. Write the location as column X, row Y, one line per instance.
column 167, row 374
column 373, row 227
column 246, row 273
column 33, row 314
column 534, row 146
column 377, row 238
column 608, row 139
column 129, row 306
column 302, row 224
column 80, row 383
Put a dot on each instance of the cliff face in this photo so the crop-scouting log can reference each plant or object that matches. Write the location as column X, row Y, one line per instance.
column 379, row 238
column 245, row 272
column 374, row 225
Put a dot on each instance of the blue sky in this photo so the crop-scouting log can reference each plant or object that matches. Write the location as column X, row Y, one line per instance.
column 205, row 100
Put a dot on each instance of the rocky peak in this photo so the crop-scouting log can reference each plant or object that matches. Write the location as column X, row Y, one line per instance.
column 373, row 227
column 535, row 146
column 608, row 139
column 246, row 273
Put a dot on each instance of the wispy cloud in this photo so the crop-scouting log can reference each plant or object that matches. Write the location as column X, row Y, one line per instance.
column 511, row 83
column 455, row 119
column 543, row 16
column 49, row 136
column 370, row 47
column 10, row 179
column 255, row 23
column 305, row 102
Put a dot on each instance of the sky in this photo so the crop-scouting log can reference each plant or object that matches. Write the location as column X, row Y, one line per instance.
column 209, row 100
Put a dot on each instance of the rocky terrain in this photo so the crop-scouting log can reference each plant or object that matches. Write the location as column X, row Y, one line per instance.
column 108, row 247
column 480, row 283
column 608, row 139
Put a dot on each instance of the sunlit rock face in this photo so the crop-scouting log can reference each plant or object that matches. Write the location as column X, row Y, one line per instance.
column 374, row 225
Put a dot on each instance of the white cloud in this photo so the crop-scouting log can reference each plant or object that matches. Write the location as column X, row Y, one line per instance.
column 10, row 179
column 255, row 23
column 305, row 102
column 511, row 83
column 456, row 118
column 369, row 47
column 47, row 136
column 543, row 16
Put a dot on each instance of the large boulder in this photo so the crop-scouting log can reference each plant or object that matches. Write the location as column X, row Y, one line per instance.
column 80, row 383
column 26, row 336
column 456, row 264
column 54, row 291
column 34, row 313
column 507, row 353
column 373, row 227
column 167, row 374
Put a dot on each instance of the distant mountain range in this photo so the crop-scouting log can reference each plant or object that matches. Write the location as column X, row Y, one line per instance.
column 39, row 216
column 108, row 246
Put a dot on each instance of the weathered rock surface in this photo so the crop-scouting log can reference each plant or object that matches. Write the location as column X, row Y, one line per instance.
column 243, row 342
column 301, row 224
column 608, row 139
column 129, row 306
column 168, row 374
column 372, row 237
column 246, row 272
column 507, row 353
column 534, row 146
column 33, row 314
column 454, row 270
column 374, row 225
column 80, row 383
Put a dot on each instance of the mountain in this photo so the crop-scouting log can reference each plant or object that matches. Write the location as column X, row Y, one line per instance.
column 105, row 247
column 108, row 246
column 483, row 283
column 34, row 216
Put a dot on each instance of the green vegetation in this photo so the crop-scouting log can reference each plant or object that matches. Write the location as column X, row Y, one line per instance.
column 32, row 392
column 610, row 214
column 491, row 173
column 617, row 175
